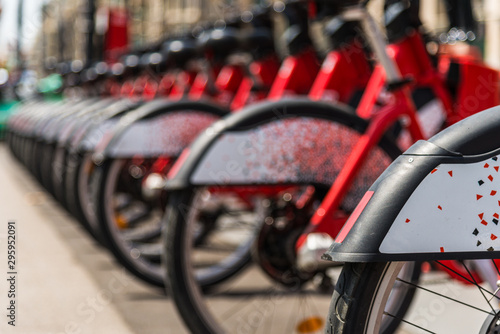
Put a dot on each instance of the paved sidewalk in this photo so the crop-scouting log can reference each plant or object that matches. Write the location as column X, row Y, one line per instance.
column 65, row 282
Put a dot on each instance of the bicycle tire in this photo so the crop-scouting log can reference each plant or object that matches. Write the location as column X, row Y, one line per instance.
column 355, row 297
column 78, row 193
column 46, row 167
column 182, row 285
column 70, row 183
column 105, row 179
column 176, row 268
column 59, row 170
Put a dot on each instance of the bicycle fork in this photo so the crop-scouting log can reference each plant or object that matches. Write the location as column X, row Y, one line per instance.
column 324, row 221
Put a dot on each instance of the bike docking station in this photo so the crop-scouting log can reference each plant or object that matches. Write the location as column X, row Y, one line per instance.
column 266, row 184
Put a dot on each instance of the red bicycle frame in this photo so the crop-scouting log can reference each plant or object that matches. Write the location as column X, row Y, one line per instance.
column 296, row 75
column 412, row 60
column 343, row 71
column 255, row 85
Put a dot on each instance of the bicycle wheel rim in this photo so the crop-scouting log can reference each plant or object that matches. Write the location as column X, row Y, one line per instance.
column 434, row 308
column 125, row 251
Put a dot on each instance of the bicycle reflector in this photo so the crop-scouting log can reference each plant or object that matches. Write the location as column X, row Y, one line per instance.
column 354, row 216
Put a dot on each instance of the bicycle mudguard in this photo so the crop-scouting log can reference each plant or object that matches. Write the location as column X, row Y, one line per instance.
column 54, row 127
column 290, row 141
column 439, row 200
column 159, row 127
column 70, row 124
column 91, row 131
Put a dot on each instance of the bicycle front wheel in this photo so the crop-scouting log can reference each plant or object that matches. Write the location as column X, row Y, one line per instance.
column 363, row 298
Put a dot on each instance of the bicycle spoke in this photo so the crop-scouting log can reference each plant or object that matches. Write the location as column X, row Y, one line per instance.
column 477, row 285
column 243, row 306
column 409, row 323
column 443, row 296
column 291, row 318
column 239, row 307
column 455, row 272
column 468, row 280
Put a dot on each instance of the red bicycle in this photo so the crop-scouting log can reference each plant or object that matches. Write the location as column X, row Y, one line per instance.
column 136, row 156
column 277, row 182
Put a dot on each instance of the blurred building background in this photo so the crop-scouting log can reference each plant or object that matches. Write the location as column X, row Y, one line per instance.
column 68, row 26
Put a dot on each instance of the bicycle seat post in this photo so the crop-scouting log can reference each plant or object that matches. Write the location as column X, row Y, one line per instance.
column 376, row 40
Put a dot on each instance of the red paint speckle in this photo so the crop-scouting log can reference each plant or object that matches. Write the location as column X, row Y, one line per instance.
column 490, row 178
column 407, row 220
column 440, row 207
column 481, row 215
column 495, row 215
column 478, row 197
column 486, row 165
column 493, row 237
column 451, row 173
column 484, row 222
column 496, row 168
column 493, row 192
column 441, row 249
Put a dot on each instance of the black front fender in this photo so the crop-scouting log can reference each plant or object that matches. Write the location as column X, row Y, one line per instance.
column 160, row 127
column 291, row 141
column 439, row 200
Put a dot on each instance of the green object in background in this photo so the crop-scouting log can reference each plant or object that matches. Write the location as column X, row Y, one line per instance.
column 6, row 110
column 50, row 86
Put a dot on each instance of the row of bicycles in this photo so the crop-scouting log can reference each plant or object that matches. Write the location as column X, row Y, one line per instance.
column 211, row 166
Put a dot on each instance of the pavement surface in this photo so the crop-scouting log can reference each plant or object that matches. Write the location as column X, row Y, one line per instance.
column 64, row 282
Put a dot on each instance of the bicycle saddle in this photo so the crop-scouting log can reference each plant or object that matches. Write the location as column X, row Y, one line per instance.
column 341, row 32
column 95, row 72
column 63, row 68
column 88, row 75
column 154, row 61
column 73, row 78
column 116, row 70
column 219, row 43
column 101, row 68
column 131, row 62
column 259, row 42
column 296, row 36
column 50, row 64
column 127, row 66
column 179, row 52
